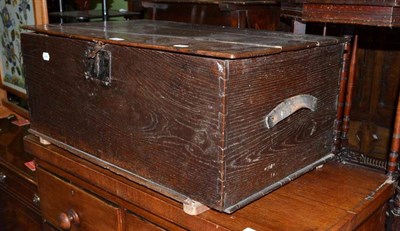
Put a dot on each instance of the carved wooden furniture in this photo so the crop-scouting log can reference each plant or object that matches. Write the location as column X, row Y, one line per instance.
column 264, row 14
column 80, row 195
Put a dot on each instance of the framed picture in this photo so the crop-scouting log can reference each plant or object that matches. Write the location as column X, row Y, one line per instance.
column 14, row 14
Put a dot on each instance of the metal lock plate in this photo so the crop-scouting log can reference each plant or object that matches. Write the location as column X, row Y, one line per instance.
column 98, row 65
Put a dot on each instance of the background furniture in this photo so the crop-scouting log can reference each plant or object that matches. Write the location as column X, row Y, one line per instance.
column 264, row 14
column 83, row 12
column 376, row 70
column 19, row 200
column 376, row 115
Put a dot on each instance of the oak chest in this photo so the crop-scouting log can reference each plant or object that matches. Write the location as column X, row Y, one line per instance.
column 217, row 115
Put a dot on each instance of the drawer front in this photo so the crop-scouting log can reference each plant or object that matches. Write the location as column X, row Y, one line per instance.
column 15, row 215
column 136, row 223
column 19, row 187
column 71, row 208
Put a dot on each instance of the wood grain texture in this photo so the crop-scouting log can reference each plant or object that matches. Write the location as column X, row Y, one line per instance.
column 135, row 223
column 212, row 41
column 14, row 215
column 376, row 91
column 59, row 197
column 354, row 2
column 138, row 199
column 376, row 220
column 380, row 13
column 16, row 185
column 186, row 124
column 40, row 12
column 12, row 150
column 18, row 189
column 154, row 121
column 352, row 14
column 255, row 87
column 334, row 197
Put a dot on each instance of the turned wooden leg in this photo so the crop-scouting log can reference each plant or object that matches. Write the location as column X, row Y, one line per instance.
column 392, row 168
column 342, row 96
column 349, row 93
column 394, row 150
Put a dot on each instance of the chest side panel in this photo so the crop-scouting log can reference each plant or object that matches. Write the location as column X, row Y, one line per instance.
column 255, row 87
column 157, row 119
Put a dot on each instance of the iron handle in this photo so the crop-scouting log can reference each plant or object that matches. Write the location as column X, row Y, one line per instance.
column 2, row 177
column 289, row 107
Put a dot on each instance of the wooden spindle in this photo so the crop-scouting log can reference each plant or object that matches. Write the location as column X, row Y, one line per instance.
column 394, row 150
column 342, row 94
column 392, row 168
column 350, row 87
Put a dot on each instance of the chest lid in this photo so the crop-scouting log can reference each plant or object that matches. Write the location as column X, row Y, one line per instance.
column 203, row 40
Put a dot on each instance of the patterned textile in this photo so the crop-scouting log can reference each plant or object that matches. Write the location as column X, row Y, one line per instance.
column 14, row 13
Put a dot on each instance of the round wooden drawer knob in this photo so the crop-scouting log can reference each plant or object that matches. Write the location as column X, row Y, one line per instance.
column 65, row 220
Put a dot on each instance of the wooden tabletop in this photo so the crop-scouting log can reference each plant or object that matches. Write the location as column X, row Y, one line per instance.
column 334, row 197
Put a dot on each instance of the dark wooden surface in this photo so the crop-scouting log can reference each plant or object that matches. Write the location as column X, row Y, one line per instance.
column 201, row 40
column 59, row 198
column 377, row 83
column 354, row 2
column 19, row 187
column 11, row 148
column 187, row 123
column 256, row 153
column 238, row 2
column 376, row 88
column 263, row 15
column 14, row 215
column 86, row 15
column 359, row 12
column 334, row 197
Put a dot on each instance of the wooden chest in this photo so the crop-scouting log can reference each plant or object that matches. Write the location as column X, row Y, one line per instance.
column 217, row 115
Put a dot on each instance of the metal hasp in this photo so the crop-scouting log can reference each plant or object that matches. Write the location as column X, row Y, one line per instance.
column 98, row 65
column 289, row 107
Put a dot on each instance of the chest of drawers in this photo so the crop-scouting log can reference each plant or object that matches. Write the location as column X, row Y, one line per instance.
column 79, row 195
column 19, row 200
